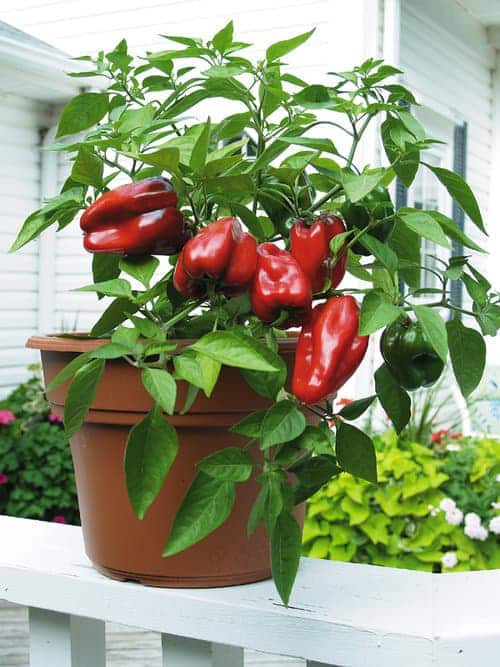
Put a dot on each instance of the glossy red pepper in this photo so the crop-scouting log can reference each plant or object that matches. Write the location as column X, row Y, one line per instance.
column 329, row 350
column 311, row 248
column 280, row 285
column 222, row 254
column 135, row 219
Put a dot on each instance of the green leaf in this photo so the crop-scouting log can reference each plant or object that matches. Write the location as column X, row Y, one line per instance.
column 282, row 423
column 355, row 452
column 151, row 330
column 161, row 386
column 258, row 510
column 135, row 119
column 105, row 266
column 187, row 368
column 205, row 507
column 285, row 554
column 165, row 158
column 117, row 287
column 467, row 353
column 233, row 349
column 68, row 371
column 424, row 225
column 280, row 49
column 80, row 395
column 210, row 370
column 126, row 337
column 434, row 329
column 139, row 267
column 316, row 471
column 393, row 398
column 314, row 97
column 110, row 351
column 200, row 150
column 224, row 38
column 68, row 202
column 251, row 426
column 453, row 231
column 376, row 313
column 406, row 244
column 357, row 186
column 381, row 251
column 87, row 168
column 116, row 313
column 356, row 408
column 264, row 383
column 254, row 223
column 82, row 112
column 324, row 145
column 151, row 450
column 461, row 192
column 231, row 464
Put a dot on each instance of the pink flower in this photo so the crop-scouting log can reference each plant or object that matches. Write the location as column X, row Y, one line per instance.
column 3, row 478
column 59, row 519
column 6, row 417
column 54, row 418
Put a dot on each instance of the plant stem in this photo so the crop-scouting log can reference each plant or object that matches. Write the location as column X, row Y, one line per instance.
column 181, row 314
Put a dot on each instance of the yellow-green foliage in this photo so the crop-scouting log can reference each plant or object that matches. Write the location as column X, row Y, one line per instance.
column 396, row 522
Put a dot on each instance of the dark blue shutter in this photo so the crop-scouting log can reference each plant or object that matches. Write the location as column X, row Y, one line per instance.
column 401, row 200
column 460, row 167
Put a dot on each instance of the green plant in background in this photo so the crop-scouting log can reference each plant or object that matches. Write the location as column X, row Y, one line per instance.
column 36, row 471
column 432, row 510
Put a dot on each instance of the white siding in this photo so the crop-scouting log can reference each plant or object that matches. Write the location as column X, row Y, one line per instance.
column 77, row 27
column 447, row 62
column 20, row 124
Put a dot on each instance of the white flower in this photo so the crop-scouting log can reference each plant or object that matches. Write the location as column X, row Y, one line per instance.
column 497, row 478
column 472, row 519
column 449, row 559
column 495, row 525
column 496, row 506
column 452, row 447
column 454, row 516
column 433, row 511
column 447, row 504
column 476, row 532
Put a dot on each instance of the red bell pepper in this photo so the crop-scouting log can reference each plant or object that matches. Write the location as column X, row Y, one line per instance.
column 280, row 285
column 329, row 350
column 135, row 219
column 222, row 254
column 311, row 248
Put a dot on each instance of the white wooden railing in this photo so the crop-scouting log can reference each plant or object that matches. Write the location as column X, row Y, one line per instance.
column 340, row 613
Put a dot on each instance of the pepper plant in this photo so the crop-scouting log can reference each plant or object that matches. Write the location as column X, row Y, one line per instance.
column 267, row 214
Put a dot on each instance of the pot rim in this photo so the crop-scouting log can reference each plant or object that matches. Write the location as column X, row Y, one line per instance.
column 81, row 343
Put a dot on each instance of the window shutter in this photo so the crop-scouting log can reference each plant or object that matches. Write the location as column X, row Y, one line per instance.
column 460, row 167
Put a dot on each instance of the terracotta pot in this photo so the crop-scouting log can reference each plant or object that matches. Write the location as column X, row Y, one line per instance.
column 120, row 545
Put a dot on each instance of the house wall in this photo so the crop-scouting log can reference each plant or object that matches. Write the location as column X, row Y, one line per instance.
column 448, row 63
column 20, row 123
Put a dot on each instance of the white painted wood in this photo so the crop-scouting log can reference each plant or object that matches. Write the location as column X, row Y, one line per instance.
column 223, row 656
column 59, row 640
column 340, row 613
column 47, row 243
column 185, row 652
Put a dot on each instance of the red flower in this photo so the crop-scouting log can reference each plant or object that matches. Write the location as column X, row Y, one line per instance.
column 6, row 417
column 3, row 478
column 59, row 519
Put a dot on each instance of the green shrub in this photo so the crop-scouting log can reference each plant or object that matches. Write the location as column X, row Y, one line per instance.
column 399, row 522
column 36, row 471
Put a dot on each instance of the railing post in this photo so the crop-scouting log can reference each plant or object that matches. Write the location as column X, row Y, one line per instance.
column 61, row 640
column 184, row 652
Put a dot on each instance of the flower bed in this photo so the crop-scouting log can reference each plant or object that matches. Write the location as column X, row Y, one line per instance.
column 36, row 472
column 435, row 508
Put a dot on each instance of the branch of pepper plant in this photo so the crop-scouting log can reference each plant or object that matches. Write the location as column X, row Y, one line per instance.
column 181, row 314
